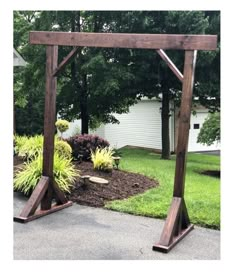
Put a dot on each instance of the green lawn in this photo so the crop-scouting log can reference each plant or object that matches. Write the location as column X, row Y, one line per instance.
column 202, row 193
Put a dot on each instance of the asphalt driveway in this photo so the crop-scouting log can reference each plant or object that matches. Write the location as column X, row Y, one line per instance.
column 86, row 233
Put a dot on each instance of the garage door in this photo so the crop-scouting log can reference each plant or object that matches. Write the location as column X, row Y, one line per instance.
column 195, row 125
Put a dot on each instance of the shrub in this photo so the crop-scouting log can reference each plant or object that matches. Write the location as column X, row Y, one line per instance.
column 85, row 144
column 117, row 152
column 29, row 175
column 62, row 125
column 19, row 141
column 29, row 147
column 63, row 149
column 210, row 130
column 102, row 159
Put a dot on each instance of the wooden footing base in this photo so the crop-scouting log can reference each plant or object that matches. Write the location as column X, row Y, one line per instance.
column 165, row 249
column 41, row 213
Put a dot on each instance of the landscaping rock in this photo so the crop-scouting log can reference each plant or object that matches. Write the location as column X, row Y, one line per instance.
column 98, row 180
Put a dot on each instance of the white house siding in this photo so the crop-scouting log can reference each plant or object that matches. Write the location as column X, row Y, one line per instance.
column 140, row 127
column 74, row 128
column 196, row 123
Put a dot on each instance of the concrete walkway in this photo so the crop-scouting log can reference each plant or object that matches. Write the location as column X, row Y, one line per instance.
column 85, row 233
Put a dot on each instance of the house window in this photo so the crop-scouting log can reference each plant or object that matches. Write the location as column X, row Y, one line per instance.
column 196, row 126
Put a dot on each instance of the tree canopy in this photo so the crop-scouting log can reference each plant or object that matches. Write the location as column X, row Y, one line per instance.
column 210, row 130
column 101, row 82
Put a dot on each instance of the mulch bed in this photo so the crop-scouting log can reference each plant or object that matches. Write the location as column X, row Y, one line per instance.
column 213, row 173
column 121, row 185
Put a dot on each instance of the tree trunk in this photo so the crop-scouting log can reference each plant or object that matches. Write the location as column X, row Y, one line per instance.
column 165, row 115
column 81, row 90
column 84, row 107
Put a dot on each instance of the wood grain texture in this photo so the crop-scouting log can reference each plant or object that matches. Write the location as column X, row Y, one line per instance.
column 170, row 64
column 184, row 122
column 41, row 213
column 165, row 249
column 49, row 122
column 177, row 226
column 122, row 40
column 171, row 222
column 35, row 198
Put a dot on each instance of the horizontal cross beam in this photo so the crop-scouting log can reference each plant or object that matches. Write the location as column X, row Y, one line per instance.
column 122, row 40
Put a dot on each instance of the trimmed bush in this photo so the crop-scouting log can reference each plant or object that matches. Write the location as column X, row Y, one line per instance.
column 102, row 159
column 84, row 144
column 29, row 175
column 63, row 149
column 62, row 125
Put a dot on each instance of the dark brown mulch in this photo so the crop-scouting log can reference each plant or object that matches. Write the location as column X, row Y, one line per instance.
column 121, row 185
column 17, row 161
column 212, row 173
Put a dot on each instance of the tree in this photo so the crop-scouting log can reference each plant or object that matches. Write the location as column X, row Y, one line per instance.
column 210, row 130
column 152, row 76
column 29, row 82
column 92, row 87
column 162, row 82
column 101, row 82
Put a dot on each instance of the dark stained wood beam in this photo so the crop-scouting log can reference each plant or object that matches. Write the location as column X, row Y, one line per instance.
column 122, row 40
column 41, row 213
column 49, row 123
column 47, row 187
column 65, row 61
column 177, row 224
column 171, row 222
column 59, row 195
column 184, row 122
column 35, row 198
column 171, row 65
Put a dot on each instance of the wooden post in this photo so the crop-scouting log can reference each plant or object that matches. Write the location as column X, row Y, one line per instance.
column 46, row 188
column 177, row 224
column 49, row 122
column 184, row 122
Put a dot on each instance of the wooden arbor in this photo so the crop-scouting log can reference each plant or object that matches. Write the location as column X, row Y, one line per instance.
column 177, row 224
